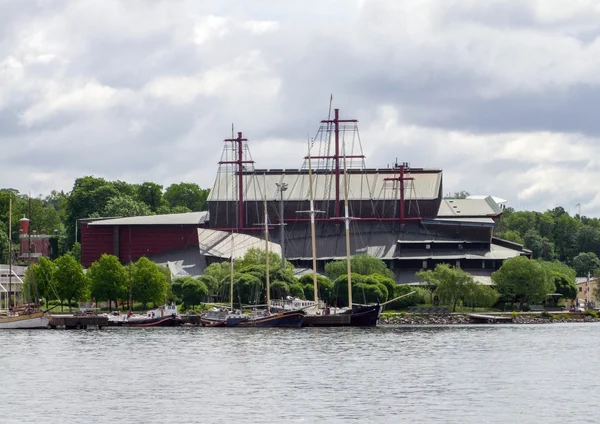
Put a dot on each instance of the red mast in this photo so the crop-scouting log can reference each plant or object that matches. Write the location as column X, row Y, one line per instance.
column 401, row 180
column 240, row 163
column 336, row 122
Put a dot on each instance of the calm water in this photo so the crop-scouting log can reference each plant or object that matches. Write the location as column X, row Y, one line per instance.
column 461, row 374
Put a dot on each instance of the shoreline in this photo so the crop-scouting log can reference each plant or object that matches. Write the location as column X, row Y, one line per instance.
column 463, row 318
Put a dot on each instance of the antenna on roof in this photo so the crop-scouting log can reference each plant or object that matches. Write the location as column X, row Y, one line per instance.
column 330, row 101
column 232, row 130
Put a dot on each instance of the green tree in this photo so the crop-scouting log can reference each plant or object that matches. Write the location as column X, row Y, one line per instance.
column 360, row 264
column 564, row 278
column 365, row 289
column 70, row 281
column 125, row 206
column 324, row 287
column 152, row 195
column 193, row 292
column 189, row 195
column 42, row 274
column 108, row 279
column 540, row 246
column 452, row 284
column 419, row 295
column 149, row 283
column 523, row 280
column 585, row 263
column 76, row 251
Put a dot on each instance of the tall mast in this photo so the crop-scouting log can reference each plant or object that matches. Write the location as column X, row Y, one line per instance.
column 312, row 231
column 347, row 222
column 267, row 252
column 9, row 252
column 240, row 162
column 29, row 258
column 231, row 277
column 336, row 157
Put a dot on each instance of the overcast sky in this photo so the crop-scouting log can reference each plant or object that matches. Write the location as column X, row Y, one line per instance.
column 502, row 95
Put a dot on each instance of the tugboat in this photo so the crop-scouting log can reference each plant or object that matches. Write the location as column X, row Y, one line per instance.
column 163, row 316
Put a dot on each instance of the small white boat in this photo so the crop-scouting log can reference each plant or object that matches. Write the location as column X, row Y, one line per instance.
column 27, row 320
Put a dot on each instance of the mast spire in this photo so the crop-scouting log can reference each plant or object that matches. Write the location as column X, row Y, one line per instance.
column 231, row 277
column 9, row 253
column 347, row 220
column 312, row 231
column 268, row 278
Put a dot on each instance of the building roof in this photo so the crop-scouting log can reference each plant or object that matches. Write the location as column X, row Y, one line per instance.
column 452, row 208
column 223, row 244
column 367, row 184
column 190, row 218
column 498, row 200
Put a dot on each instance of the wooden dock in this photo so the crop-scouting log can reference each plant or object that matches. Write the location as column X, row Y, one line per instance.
column 72, row 322
column 489, row 319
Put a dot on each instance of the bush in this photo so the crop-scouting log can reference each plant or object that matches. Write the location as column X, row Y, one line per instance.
column 546, row 315
column 591, row 313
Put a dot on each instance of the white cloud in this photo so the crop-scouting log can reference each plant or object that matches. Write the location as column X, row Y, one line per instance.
column 500, row 94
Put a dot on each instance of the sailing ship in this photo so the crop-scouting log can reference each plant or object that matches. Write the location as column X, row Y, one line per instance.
column 354, row 315
column 24, row 316
column 231, row 318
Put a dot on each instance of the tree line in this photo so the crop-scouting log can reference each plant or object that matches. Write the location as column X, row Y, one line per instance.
column 555, row 235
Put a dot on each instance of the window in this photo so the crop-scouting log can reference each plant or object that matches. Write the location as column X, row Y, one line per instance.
column 425, row 266
column 579, row 289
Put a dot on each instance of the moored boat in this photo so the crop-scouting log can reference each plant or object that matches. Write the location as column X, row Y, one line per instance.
column 163, row 316
column 220, row 318
column 25, row 320
column 22, row 316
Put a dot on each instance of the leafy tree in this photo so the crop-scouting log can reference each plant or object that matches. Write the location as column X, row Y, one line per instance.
column 563, row 277
column 360, row 264
column 480, row 295
column 189, row 195
column 42, row 274
column 588, row 239
column 540, row 246
column 585, row 263
column 513, row 236
column 149, row 283
column 452, row 284
column 108, row 279
column 523, row 280
column 247, row 289
column 365, row 289
column 324, row 287
column 565, row 237
column 3, row 243
column 279, row 289
column 71, row 283
column 76, row 251
column 420, row 295
column 193, row 292
column 124, row 205
column 152, row 195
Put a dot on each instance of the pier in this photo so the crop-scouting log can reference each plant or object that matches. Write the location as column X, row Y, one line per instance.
column 71, row 322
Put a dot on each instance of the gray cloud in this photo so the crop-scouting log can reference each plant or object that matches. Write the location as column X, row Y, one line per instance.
column 500, row 94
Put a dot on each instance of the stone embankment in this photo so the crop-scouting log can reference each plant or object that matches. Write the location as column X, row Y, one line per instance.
column 452, row 319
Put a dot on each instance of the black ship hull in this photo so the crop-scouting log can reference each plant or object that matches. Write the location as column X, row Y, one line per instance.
column 359, row 316
column 172, row 321
column 292, row 319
